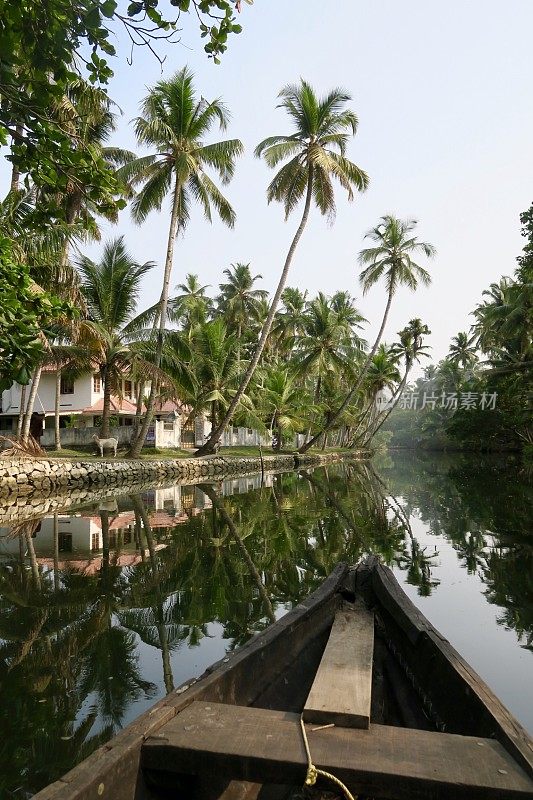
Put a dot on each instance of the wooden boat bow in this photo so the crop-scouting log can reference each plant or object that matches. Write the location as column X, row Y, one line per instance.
column 333, row 658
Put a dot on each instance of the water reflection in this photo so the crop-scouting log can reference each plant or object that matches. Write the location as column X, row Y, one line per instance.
column 109, row 607
column 483, row 508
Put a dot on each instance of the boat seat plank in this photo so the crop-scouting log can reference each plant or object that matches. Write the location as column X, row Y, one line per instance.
column 254, row 744
column 341, row 691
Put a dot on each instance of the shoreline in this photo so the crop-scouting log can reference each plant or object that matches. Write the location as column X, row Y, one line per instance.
column 42, row 485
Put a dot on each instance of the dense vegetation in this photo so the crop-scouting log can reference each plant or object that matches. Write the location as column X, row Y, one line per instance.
column 284, row 364
column 480, row 396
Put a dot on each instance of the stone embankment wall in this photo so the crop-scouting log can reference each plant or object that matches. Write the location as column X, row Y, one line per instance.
column 24, row 477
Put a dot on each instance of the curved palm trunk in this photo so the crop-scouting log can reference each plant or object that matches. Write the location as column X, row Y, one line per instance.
column 22, row 410
column 305, row 447
column 209, row 446
column 210, row 492
column 57, row 434
column 138, row 442
column 395, row 401
column 31, row 402
column 355, row 438
column 140, row 512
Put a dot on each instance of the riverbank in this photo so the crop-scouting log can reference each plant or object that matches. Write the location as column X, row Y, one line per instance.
column 28, row 477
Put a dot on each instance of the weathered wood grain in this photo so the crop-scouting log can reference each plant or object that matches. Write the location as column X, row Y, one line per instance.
column 112, row 772
column 341, row 691
column 255, row 744
column 458, row 694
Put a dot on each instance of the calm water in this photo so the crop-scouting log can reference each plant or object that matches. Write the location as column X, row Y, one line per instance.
column 106, row 608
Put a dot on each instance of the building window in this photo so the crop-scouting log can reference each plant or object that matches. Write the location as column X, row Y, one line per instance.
column 95, row 541
column 128, row 389
column 97, row 384
column 67, row 385
column 65, row 542
column 250, row 431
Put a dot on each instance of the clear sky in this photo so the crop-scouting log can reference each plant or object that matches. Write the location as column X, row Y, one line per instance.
column 443, row 91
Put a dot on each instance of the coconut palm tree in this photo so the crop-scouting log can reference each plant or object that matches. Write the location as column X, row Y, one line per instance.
column 392, row 259
column 326, row 342
column 411, row 349
column 316, row 153
column 89, row 116
column 282, row 403
column 238, row 301
column 288, row 324
column 214, row 367
column 382, row 374
column 175, row 122
column 462, row 350
column 111, row 288
column 192, row 306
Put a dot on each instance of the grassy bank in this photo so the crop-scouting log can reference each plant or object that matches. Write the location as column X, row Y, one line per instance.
column 87, row 453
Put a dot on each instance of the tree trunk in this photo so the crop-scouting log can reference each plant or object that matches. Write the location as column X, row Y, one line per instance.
column 15, row 172
column 209, row 446
column 57, row 434
column 33, row 560
column 216, row 503
column 395, row 401
column 56, row 553
column 106, row 413
column 106, row 559
column 31, row 402
column 138, row 410
column 356, row 436
column 140, row 510
column 138, row 442
column 305, row 447
column 22, row 411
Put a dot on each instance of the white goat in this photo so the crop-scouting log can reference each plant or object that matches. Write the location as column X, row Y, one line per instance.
column 106, row 443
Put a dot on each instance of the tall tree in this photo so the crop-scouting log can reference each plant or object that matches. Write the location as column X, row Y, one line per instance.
column 283, row 403
column 238, row 301
column 392, row 259
column 289, row 323
column 192, row 306
column 111, row 288
column 410, row 348
column 462, row 350
column 176, row 122
column 316, row 150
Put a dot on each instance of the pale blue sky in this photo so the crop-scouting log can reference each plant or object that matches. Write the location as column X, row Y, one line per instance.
column 443, row 95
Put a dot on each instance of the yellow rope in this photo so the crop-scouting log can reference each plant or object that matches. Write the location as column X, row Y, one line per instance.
column 313, row 772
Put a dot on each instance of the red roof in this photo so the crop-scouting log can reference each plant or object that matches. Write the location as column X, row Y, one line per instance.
column 91, row 566
column 123, row 406
column 157, row 519
column 169, row 406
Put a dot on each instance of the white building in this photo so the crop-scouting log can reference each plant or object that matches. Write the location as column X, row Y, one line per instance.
column 82, row 398
column 81, row 405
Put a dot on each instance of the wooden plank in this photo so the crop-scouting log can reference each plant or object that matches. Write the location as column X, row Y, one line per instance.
column 254, row 744
column 458, row 694
column 342, row 689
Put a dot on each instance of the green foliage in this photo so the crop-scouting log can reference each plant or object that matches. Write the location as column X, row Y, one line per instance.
column 25, row 314
column 315, row 152
column 40, row 45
